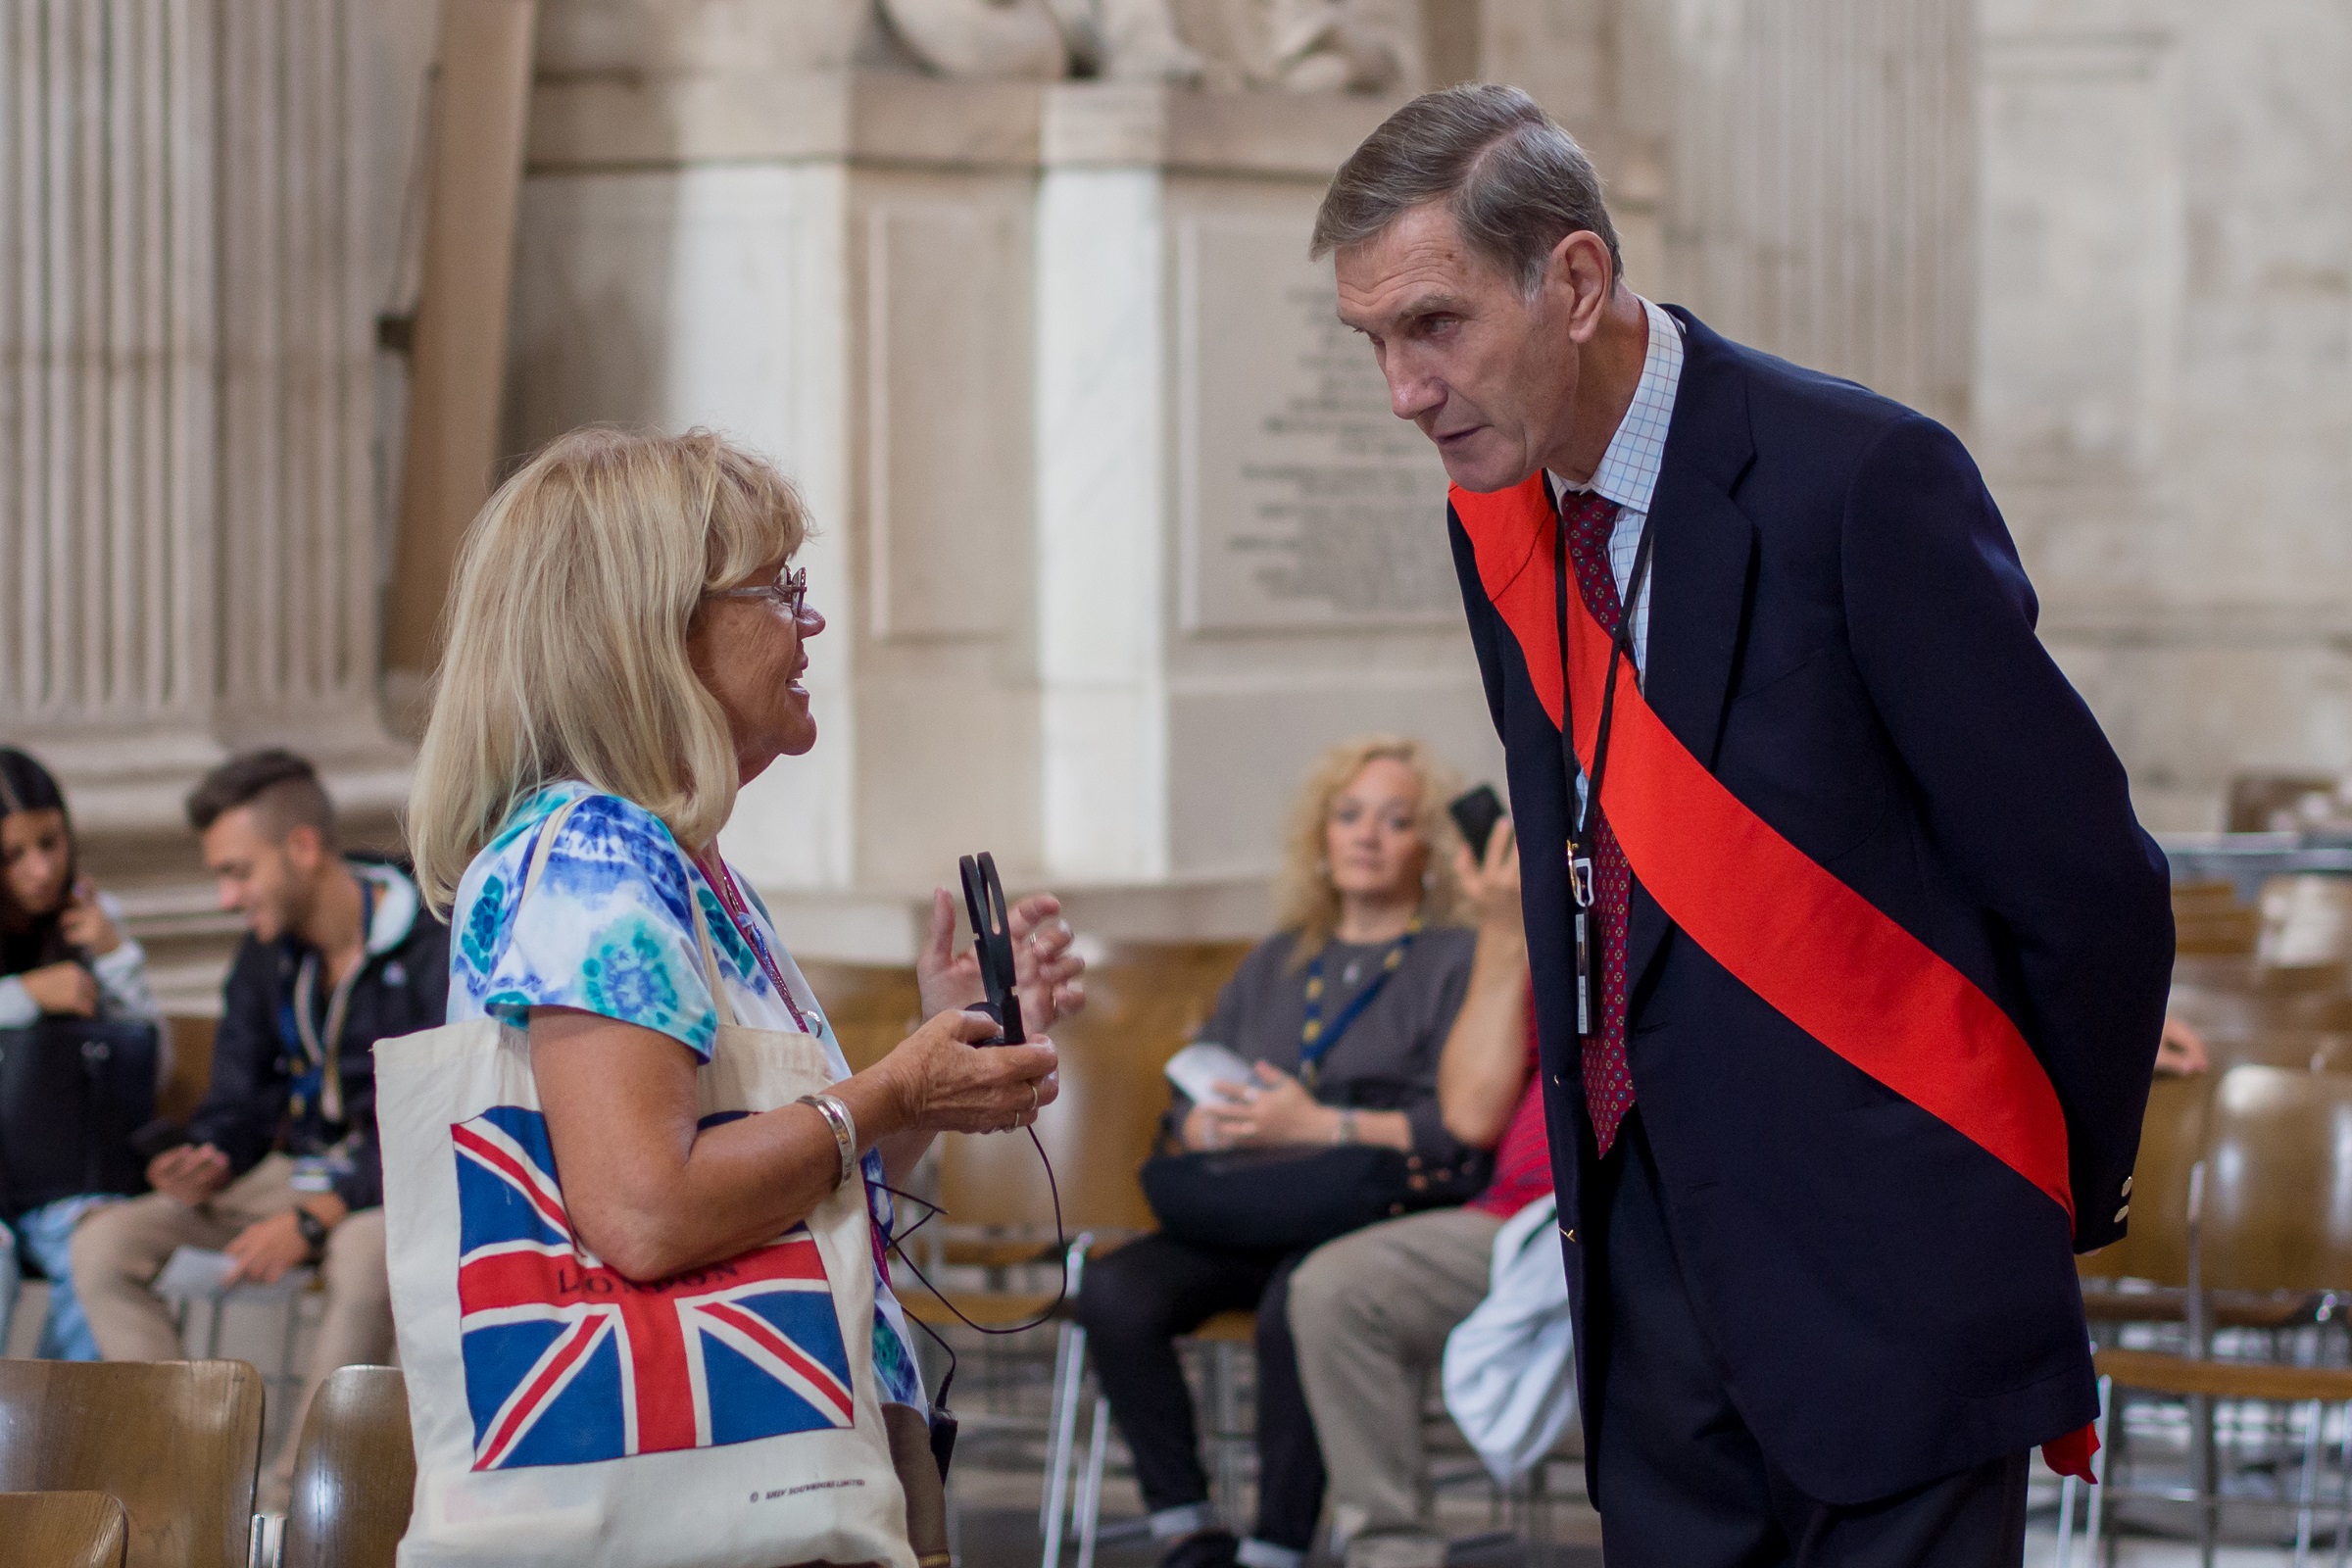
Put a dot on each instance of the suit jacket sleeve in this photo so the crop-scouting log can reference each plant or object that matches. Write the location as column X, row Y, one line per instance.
column 2026, row 800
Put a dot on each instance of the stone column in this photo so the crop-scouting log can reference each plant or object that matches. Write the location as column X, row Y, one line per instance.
column 1821, row 195
column 187, row 523
column 187, row 507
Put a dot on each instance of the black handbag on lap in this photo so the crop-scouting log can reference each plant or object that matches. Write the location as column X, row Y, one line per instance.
column 71, row 1093
column 1287, row 1199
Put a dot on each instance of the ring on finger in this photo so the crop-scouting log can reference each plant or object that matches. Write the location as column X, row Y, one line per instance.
column 1036, row 1100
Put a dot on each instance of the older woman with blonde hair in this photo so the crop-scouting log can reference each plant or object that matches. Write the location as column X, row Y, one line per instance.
column 1342, row 1014
column 626, row 640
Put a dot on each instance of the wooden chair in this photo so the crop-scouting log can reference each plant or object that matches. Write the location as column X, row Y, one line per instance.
column 1143, row 1004
column 191, row 1066
column 2256, row 799
column 63, row 1529
column 178, row 1443
column 2270, row 1215
column 354, row 1473
column 2209, row 920
column 2155, row 1250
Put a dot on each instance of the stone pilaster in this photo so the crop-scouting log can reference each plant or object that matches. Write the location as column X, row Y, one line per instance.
column 187, row 513
column 1822, row 189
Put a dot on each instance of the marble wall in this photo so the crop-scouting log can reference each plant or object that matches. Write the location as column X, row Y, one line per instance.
column 1073, row 410
column 2164, row 373
column 191, row 256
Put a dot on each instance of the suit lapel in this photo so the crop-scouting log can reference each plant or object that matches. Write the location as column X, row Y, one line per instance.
column 1704, row 565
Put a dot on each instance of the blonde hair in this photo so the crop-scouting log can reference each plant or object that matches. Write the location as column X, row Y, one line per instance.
column 1305, row 900
column 565, row 649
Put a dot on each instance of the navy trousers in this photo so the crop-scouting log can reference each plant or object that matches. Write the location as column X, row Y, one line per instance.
column 1684, row 1483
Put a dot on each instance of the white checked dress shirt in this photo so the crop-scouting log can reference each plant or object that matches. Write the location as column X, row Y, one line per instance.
column 1629, row 470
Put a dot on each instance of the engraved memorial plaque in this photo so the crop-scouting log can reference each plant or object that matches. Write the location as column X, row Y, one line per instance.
column 1302, row 501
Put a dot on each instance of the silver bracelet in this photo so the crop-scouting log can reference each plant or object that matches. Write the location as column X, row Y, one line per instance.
column 845, row 1131
column 1344, row 1133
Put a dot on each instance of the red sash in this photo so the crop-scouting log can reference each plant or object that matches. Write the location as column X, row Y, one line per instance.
column 1813, row 948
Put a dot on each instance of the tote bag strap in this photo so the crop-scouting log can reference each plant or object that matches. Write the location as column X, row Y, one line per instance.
column 701, row 927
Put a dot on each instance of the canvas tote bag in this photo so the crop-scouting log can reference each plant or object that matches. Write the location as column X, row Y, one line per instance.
column 724, row 1419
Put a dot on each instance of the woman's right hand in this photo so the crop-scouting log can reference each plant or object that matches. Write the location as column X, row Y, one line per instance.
column 64, row 989
column 944, row 1082
column 1491, row 887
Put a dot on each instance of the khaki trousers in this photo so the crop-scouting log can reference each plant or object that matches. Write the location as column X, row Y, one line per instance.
column 121, row 1248
column 1370, row 1313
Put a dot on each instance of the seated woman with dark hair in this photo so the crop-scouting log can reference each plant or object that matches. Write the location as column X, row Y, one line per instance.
column 63, row 955
column 1342, row 1013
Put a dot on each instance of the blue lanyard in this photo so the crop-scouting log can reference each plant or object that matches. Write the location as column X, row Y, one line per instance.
column 1315, row 1041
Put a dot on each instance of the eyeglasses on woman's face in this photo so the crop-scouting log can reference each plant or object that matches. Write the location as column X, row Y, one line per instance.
column 790, row 592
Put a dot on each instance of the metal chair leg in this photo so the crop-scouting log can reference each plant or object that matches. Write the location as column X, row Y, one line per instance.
column 1090, row 1500
column 1225, row 1412
column 2204, row 1476
column 1069, row 1372
column 2343, row 1513
column 2308, row 1492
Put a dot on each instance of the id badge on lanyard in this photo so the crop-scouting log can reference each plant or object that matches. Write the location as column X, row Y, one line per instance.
column 1583, row 889
column 1580, row 894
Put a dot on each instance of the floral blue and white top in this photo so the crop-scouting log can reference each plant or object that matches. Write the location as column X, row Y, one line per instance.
column 608, row 930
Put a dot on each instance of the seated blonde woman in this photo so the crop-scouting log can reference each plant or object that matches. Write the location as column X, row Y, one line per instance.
column 627, row 632
column 1355, row 993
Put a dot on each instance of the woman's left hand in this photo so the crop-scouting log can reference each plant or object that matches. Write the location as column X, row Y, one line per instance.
column 85, row 924
column 1277, row 1110
column 1046, row 973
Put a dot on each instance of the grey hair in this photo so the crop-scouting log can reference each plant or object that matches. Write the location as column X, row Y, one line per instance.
column 1516, row 183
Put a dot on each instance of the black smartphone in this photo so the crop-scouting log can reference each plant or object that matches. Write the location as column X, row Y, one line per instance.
column 158, row 1136
column 1475, row 812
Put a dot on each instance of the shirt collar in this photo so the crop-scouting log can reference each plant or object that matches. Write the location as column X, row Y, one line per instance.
column 1629, row 470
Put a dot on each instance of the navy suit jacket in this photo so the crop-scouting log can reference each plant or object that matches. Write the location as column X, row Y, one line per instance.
column 1842, row 631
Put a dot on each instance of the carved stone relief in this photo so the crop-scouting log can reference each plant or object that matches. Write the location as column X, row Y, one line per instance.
column 1224, row 45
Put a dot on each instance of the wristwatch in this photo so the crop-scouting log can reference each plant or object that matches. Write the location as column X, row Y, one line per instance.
column 1346, row 1131
column 314, row 1232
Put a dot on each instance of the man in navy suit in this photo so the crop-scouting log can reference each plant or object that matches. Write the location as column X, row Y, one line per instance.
column 1874, row 952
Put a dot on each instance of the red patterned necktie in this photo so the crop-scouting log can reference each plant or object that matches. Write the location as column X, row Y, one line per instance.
column 1588, row 520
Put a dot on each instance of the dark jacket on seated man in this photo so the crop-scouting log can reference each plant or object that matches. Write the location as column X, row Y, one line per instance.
column 270, row 1073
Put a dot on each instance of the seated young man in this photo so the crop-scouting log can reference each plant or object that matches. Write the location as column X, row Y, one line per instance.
column 281, row 1166
column 1370, row 1311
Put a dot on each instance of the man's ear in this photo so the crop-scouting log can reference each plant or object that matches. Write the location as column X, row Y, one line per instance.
column 304, row 849
column 1585, row 272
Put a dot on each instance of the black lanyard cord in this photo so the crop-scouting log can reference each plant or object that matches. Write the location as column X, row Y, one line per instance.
column 1621, row 644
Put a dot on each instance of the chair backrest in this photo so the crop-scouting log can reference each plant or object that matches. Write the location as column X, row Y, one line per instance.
column 180, row 1443
column 354, row 1473
column 1142, row 1007
column 2210, row 921
column 2172, row 1137
column 191, row 1066
column 2278, row 1202
column 63, row 1529
column 2256, row 799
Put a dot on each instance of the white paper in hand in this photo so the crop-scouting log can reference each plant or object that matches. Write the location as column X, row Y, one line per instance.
column 196, row 1272
column 1197, row 1067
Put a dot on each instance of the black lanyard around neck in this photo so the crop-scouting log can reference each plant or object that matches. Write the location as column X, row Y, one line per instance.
column 1621, row 643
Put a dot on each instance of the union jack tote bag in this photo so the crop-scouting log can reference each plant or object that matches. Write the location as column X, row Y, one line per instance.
column 562, row 1414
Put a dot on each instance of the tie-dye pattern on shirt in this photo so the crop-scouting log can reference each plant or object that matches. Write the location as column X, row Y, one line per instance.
column 608, row 930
